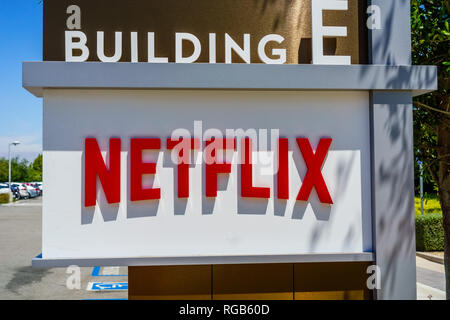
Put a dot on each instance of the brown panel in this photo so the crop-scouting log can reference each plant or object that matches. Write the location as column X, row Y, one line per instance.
column 330, row 281
column 289, row 18
column 310, row 281
column 254, row 281
column 169, row 283
column 331, row 295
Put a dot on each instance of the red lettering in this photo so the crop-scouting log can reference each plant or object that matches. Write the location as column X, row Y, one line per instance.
column 108, row 170
column 138, row 168
column 213, row 168
column 313, row 177
column 247, row 188
column 183, row 146
column 283, row 169
column 95, row 166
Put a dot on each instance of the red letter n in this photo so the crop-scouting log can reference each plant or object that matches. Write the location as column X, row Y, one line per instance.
column 95, row 166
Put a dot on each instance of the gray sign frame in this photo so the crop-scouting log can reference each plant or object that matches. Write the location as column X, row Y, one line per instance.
column 391, row 81
column 393, row 159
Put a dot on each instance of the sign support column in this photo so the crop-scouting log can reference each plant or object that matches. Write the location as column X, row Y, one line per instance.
column 393, row 159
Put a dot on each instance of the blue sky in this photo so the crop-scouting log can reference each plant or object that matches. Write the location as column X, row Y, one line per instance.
column 20, row 112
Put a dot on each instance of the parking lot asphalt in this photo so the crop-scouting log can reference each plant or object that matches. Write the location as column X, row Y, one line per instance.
column 20, row 241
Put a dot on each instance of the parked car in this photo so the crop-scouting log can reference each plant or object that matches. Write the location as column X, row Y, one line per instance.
column 4, row 188
column 35, row 186
column 31, row 191
column 23, row 191
column 15, row 191
column 39, row 185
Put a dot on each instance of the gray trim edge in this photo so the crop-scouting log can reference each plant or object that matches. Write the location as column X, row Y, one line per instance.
column 37, row 76
column 39, row 262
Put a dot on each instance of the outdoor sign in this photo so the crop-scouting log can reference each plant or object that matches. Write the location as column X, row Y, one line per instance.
column 232, row 31
column 222, row 132
column 263, row 173
column 186, row 173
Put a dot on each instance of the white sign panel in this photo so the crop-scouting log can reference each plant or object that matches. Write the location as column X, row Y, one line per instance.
column 296, row 179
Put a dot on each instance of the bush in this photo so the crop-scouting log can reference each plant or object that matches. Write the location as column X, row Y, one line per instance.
column 431, row 204
column 4, row 198
column 429, row 232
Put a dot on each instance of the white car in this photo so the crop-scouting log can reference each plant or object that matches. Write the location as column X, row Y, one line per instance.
column 31, row 191
column 39, row 186
column 4, row 188
column 23, row 191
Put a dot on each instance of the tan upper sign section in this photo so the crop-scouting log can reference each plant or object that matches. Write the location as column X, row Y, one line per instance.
column 289, row 18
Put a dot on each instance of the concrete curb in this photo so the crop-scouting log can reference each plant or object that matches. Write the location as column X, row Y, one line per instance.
column 431, row 257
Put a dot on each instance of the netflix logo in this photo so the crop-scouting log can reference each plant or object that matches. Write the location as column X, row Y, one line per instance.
column 218, row 156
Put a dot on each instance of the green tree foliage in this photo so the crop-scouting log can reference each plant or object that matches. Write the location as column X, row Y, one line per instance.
column 430, row 46
column 21, row 170
column 35, row 169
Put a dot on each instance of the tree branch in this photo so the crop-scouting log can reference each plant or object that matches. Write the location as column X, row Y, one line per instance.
column 423, row 105
column 433, row 176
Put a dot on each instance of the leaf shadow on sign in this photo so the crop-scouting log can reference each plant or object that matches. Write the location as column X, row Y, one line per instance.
column 269, row 5
column 393, row 167
column 305, row 49
column 344, row 175
column 394, row 197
